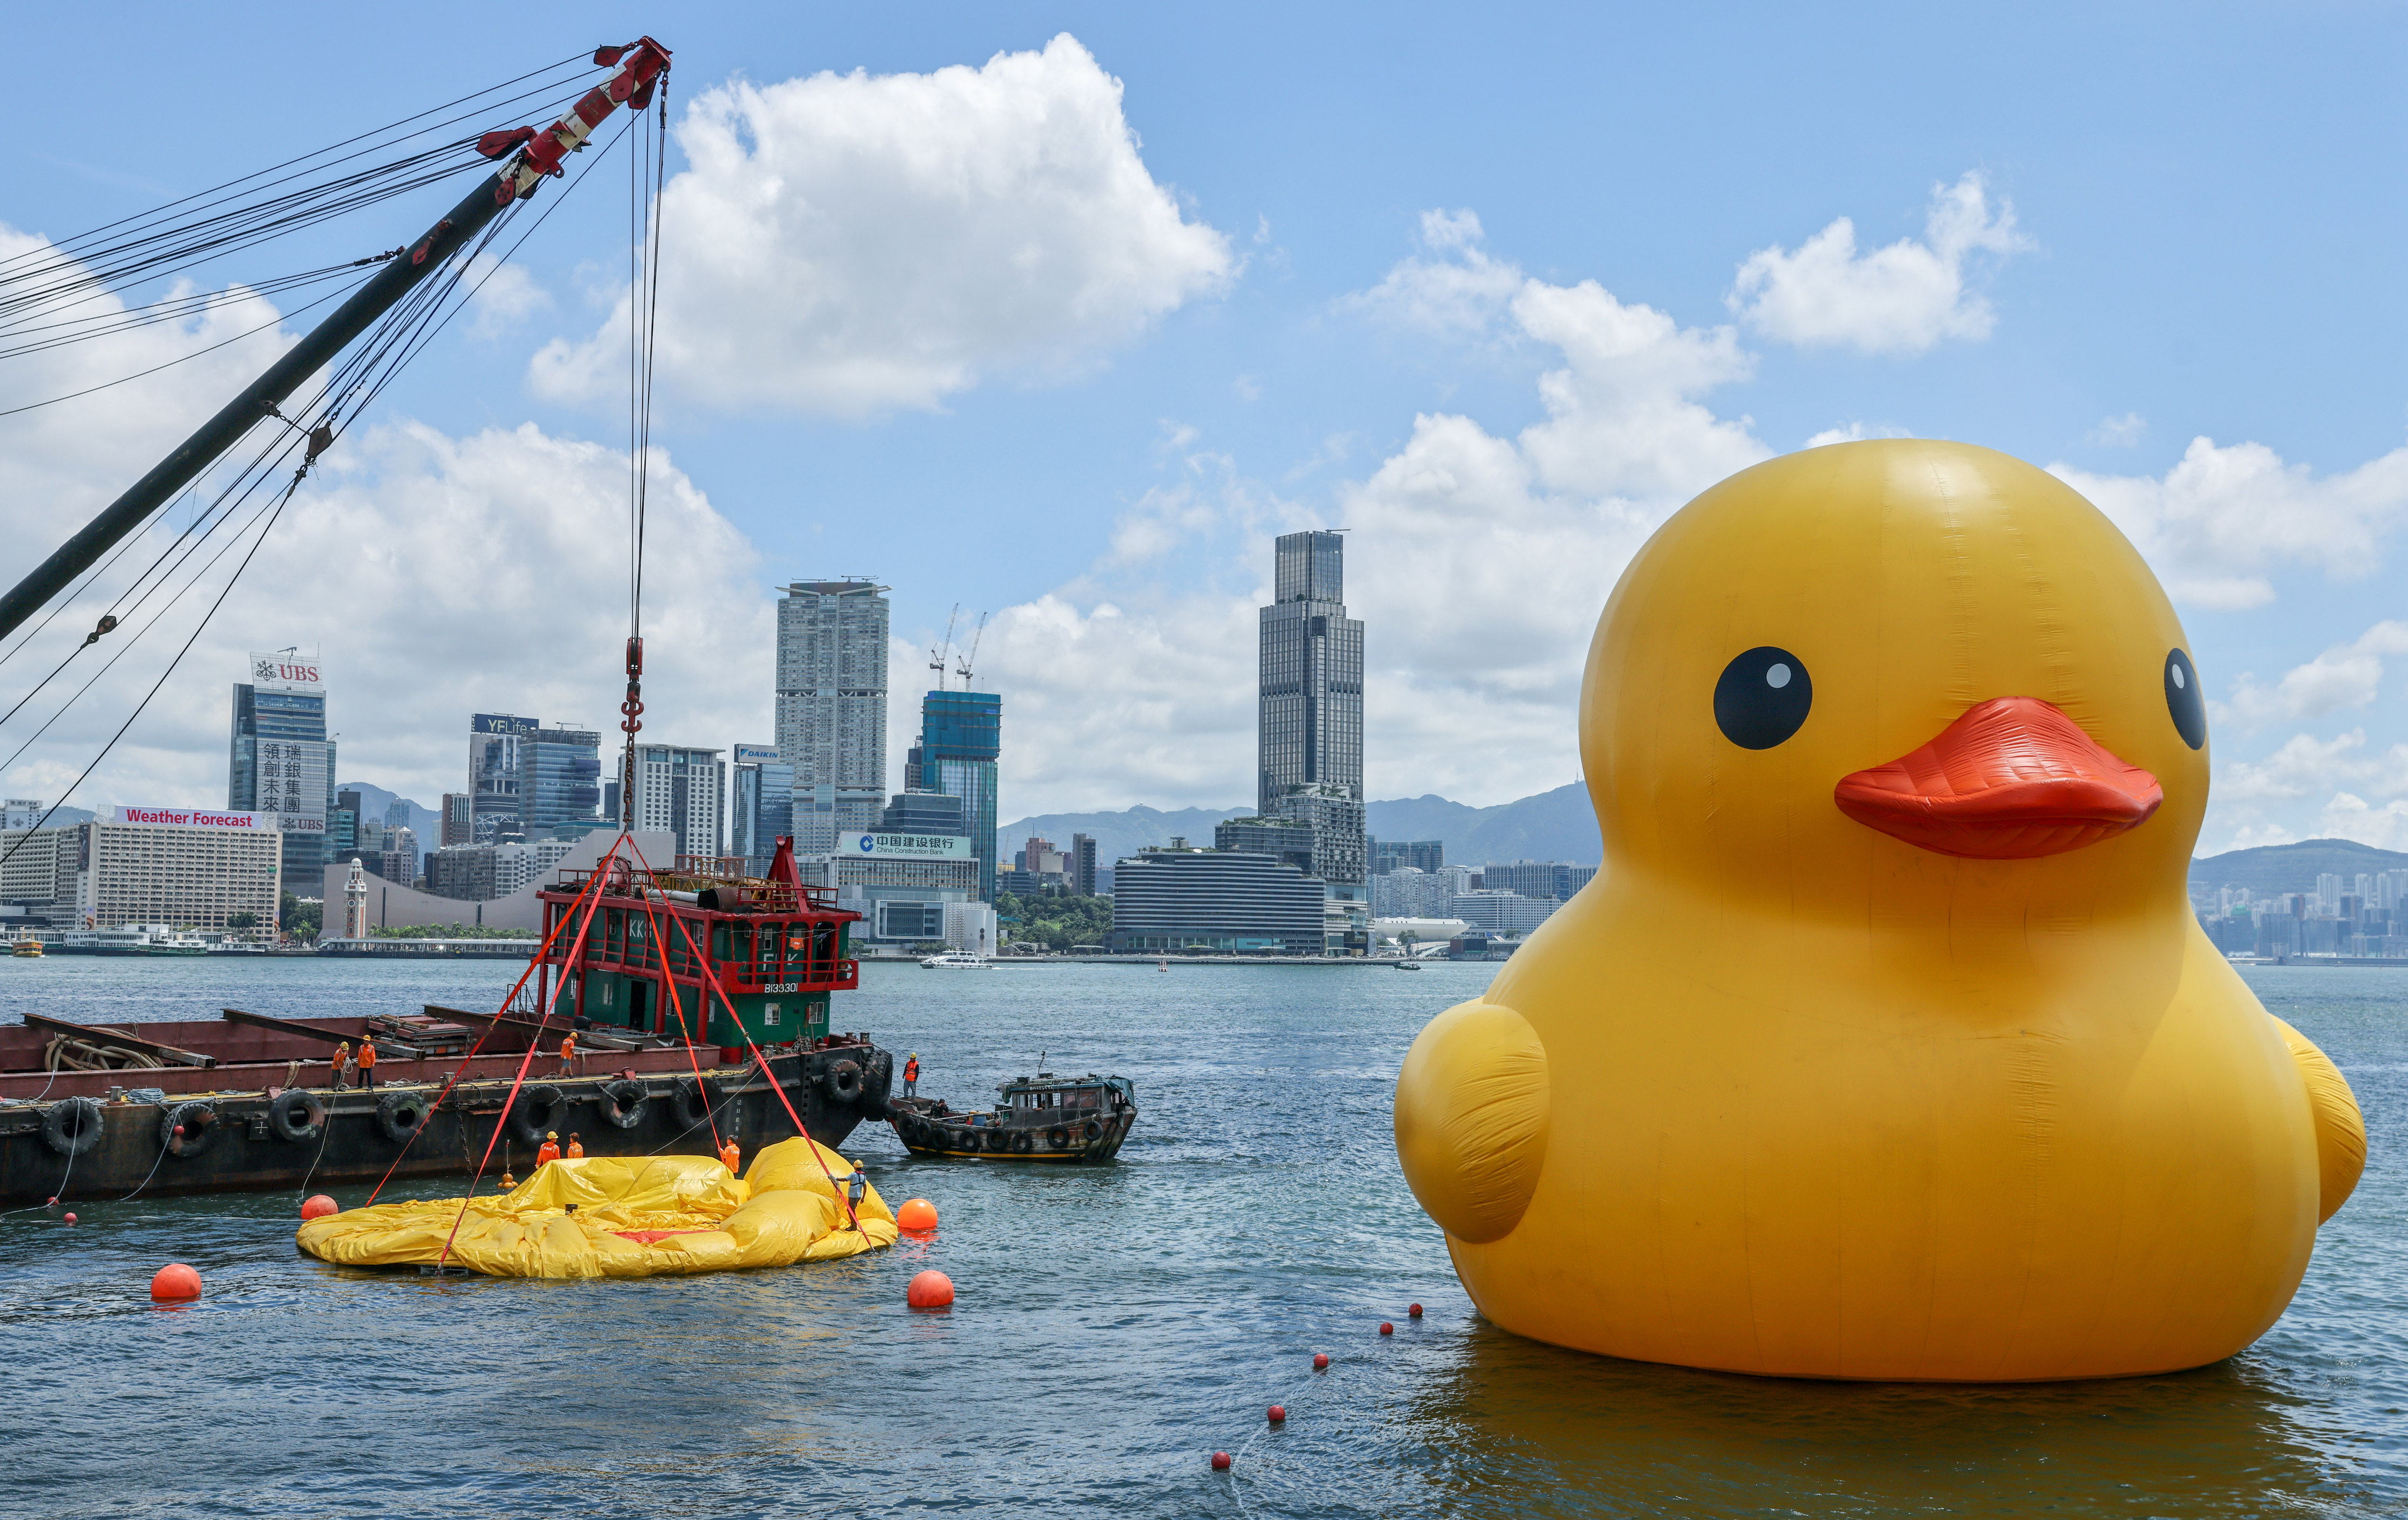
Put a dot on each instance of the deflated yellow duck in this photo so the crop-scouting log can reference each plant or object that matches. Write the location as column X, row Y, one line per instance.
column 1886, row 1045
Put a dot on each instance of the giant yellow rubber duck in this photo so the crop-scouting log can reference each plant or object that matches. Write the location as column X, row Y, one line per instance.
column 1886, row 1045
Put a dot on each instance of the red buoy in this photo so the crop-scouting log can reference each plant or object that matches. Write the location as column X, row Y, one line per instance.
column 916, row 1214
column 1321, row 1361
column 175, row 1283
column 1220, row 1461
column 1412, row 1311
column 931, row 1289
column 1386, row 1328
column 319, row 1207
column 70, row 1219
column 1279, row 1414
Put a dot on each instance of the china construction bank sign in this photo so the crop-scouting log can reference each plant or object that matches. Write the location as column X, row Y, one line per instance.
column 260, row 823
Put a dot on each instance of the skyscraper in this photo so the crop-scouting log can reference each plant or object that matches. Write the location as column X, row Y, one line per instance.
column 831, row 708
column 761, row 809
column 494, row 772
column 678, row 791
column 560, row 782
column 1309, row 745
column 961, row 735
column 281, row 760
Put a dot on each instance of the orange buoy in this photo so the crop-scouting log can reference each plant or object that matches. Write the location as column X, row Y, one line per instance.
column 1279, row 1414
column 175, row 1281
column 931, row 1289
column 1321, row 1361
column 916, row 1214
column 319, row 1207
column 1412, row 1311
column 1386, row 1328
column 1220, row 1459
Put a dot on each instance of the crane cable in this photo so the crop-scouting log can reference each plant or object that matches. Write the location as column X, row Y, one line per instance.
column 398, row 337
column 644, row 218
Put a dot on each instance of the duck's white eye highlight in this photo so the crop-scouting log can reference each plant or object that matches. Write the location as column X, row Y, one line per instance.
column 1777, row 677
column 2180, row 679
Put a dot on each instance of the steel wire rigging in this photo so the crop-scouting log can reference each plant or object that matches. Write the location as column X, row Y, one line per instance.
column 428, row 292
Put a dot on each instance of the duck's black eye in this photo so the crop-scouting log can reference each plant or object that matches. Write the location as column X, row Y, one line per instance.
column 2184, row 700
column 1762, row 697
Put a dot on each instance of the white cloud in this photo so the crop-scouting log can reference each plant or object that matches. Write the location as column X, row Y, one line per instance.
column 2218, row 522
column 854, row 244
column 1854, row 432
column 1477, row 562
column 506, row 295
column 1903, row 298
column 440, row 577
column 1462, row 292
column 2345, row 676
column 2119, row 432
column 2304, row 767
column 2348, row 817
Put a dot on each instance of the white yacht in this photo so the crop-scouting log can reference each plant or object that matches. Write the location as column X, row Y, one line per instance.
column 954, row 960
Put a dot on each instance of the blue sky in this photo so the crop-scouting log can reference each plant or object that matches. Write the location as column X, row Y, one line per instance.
column 2171, row 224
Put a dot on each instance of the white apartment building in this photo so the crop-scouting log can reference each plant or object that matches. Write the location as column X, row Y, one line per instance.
column 682, row 792
column 192, row 867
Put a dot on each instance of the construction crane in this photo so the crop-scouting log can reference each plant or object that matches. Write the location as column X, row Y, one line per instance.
column 962, row 670
column 938, row 656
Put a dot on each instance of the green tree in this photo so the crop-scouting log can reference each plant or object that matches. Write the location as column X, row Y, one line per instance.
column 242, row 921
column 1057, row 923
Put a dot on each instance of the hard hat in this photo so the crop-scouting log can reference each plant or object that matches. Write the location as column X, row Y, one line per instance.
column 551, row 1133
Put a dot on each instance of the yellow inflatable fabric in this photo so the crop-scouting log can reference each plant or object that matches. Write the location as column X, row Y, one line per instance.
column 1886, row 1045
column 636, row 1216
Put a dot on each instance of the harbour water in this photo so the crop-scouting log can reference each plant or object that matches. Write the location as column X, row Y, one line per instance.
column 1115, row 1326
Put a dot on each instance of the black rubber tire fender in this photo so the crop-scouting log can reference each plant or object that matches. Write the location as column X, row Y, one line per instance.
column 391, row 1109
column 199, row 1123
column 842, row 1080
column 692, row 1101
column 1057, row 1138
column 1022, row 1142
column 964, row 1139
column 535, row 1109
column 296, row 1115
column 72, row 1125
column 877, row 1081
column 1092, row 1130
column 623, row 1103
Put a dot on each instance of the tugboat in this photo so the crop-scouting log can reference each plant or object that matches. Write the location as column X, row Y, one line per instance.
column 1040, row 1118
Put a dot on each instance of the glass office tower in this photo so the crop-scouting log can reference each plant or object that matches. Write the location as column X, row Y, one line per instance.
column 280, row 761
column 560, row 782
column 762, row 810
column 831, row 705
column 961, row 735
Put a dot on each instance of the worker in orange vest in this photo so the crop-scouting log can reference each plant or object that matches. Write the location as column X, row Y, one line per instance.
column 549, row 1150
column 911, row 1076
column 335, row 1075
column 576, row 1147
column 367, row 1062
column 567, row 1053
column 730, row 1156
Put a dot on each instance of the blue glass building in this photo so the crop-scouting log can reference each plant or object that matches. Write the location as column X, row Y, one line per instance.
column 559, row 782
column 280, row 761
column 961, row 735
column 763, row 809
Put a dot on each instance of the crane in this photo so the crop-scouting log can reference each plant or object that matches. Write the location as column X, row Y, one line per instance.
column 962, row 670
column 938, row 656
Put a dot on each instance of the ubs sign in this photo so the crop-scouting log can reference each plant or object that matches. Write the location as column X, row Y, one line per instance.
column 288, row 673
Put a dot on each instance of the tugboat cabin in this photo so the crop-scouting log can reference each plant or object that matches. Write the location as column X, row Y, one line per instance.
column 769, row 946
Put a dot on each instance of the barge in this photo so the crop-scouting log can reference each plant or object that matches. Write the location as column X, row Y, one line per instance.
column 698, row 999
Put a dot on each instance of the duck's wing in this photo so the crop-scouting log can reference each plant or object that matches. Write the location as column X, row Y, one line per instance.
column 1471, row 1119
column 2341, row 1130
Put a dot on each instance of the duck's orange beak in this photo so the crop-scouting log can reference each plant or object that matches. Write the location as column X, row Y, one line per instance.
column 2013, row 779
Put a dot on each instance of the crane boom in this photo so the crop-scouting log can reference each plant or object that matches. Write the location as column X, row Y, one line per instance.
column 538, row 154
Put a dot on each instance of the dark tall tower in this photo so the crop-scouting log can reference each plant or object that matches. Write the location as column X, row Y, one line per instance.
column 1311, row 732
